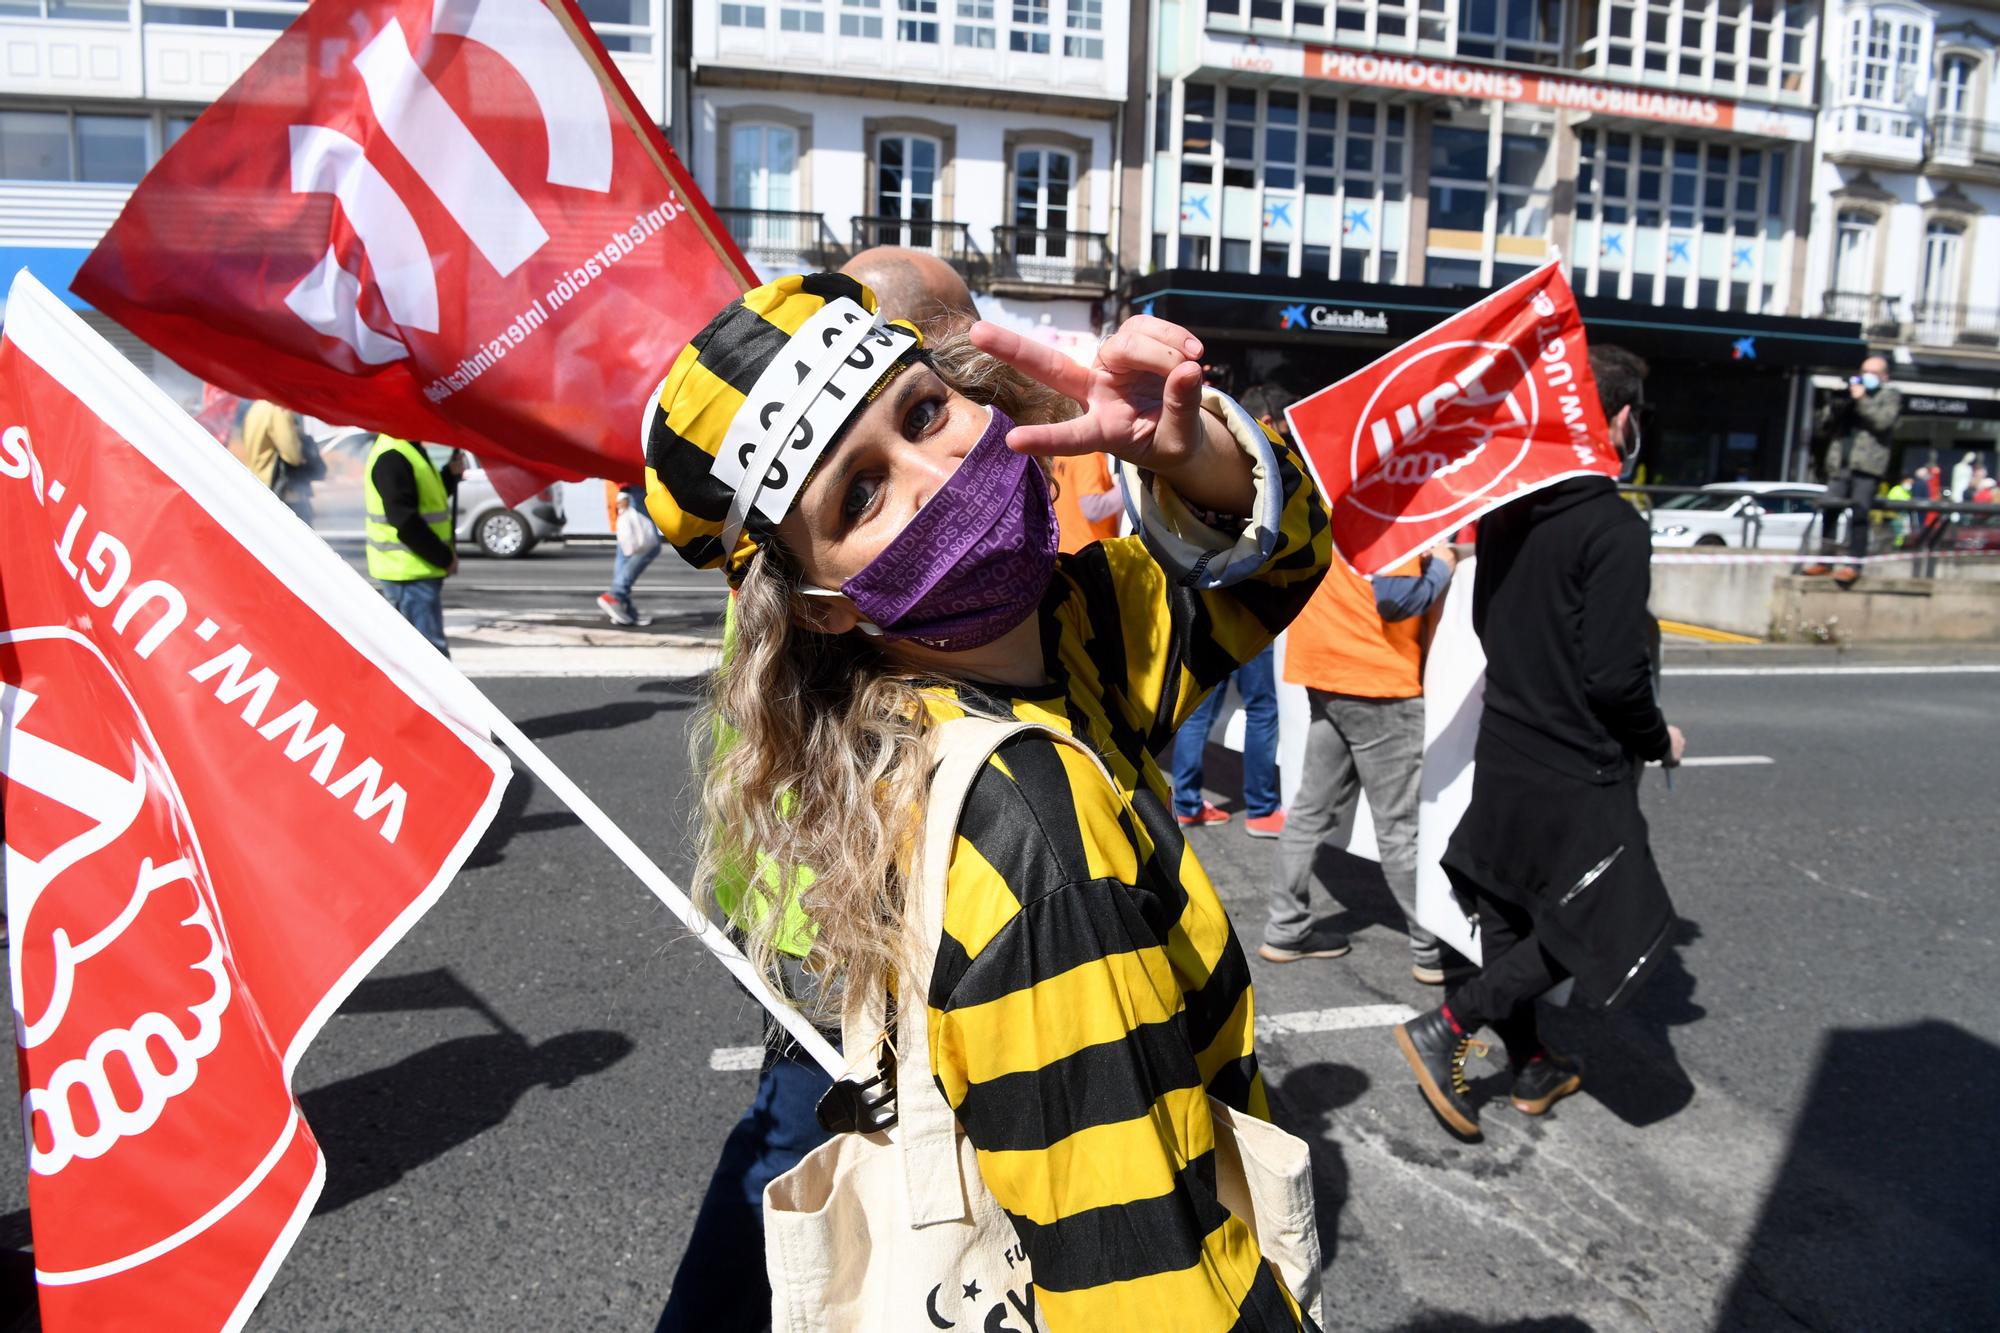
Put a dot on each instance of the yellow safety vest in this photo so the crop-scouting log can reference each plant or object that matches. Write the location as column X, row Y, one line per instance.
column 388, row 559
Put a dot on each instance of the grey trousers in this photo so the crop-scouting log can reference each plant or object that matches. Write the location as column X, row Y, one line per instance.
column 1858, row 488
column 1353, row 745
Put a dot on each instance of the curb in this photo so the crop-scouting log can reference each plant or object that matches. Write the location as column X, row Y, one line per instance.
column 1842, row 654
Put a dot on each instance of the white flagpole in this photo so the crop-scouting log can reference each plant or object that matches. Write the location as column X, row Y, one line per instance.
column 655, row 879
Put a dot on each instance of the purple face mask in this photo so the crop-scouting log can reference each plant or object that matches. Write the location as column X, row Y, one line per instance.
column 975, row 560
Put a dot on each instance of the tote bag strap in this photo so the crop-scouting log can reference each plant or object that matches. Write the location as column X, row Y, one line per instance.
column 927, row 1130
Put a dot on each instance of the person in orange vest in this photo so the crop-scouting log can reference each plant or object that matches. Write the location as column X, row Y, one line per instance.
column 1356, row 649
column 1088, row 502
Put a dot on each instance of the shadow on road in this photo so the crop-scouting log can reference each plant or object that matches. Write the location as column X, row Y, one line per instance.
column 606, row 717
column 377, row 1127
column 1882, row 1216
column 1632, row 1069
column 1302, row 1100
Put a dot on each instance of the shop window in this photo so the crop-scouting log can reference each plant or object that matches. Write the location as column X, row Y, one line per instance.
column 1295, row 173
column 1655, row 215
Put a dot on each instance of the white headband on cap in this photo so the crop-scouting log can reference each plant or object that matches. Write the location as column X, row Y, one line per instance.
column 798, row 406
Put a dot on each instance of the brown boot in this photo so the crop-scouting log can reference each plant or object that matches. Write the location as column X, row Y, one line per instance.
column 1846, row 576
column 1817, row 570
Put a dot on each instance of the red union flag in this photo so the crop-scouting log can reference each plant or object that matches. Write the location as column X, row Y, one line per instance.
column 1496, row 401
column 446, row 219
column 231, row 777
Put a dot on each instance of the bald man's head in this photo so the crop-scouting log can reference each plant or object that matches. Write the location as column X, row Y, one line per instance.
column 917, row 286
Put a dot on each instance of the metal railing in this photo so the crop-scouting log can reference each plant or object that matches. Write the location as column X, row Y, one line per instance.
column 1873, row 312
column 949, row 241
column 1052, row 258
column 1928, row 528
column 1961, row 139
column 779, row 234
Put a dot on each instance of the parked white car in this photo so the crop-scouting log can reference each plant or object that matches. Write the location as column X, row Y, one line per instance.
column 1774, row 516
column 486, row 522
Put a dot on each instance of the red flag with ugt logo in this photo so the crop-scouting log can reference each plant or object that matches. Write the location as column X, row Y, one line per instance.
column 1494, row 402
column 446, row 219
column 231, row 777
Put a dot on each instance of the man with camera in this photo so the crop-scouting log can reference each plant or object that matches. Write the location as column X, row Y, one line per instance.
column 1857, row 427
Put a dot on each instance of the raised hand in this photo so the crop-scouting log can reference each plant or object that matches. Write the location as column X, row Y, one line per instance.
column 1141, row 398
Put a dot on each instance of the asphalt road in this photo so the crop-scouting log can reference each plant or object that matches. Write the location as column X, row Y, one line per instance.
column 519, row 1111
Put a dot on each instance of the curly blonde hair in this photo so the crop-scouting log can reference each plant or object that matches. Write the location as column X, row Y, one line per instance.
column 816, row 755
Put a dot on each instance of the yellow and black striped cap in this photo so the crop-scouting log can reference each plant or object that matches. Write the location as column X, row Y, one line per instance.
column 712, row 379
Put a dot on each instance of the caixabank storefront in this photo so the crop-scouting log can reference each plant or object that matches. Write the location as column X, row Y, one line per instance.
column 1727, row 391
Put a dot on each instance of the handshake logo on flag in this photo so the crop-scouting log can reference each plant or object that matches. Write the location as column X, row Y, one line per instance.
column 106, row 886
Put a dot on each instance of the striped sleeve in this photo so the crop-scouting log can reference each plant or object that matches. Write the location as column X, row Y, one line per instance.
column 1060, row 1036
column 1163, row 624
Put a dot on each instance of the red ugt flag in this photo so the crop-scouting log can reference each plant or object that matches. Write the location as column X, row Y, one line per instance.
column 446, row 219
column 231, row 777
column 1496, row 401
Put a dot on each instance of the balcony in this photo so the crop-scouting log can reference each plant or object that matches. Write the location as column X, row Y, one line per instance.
column 1962, row 146
column 1950, row 324
column 1036, row 261
column 787, row 242
column 1875, row 314
column 1866, row 135
column 949, row 241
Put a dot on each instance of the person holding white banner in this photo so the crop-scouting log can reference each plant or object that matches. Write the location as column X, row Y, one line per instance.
column 890, row 533
column 1552, row 854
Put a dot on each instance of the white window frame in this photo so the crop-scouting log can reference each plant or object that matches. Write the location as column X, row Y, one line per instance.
column 1751, row 48
column 974, row 26
column 861, row 18
column 1029, row 28
column 1385, row 255
column 1714, row 161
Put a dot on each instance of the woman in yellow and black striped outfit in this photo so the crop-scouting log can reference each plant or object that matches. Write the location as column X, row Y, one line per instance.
column 890, row 571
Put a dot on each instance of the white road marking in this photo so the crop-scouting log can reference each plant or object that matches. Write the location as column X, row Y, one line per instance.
column 1966, row 669
column 485, row 661
column 729, row 1059
column 733, row 1059
column 1344, row 1019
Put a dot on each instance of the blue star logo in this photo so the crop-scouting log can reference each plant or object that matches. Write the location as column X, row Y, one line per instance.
column 1612, row 244
column 1292, row 316
column 1743, row 256
column 1743, row 349
column 1276, row 213
column 1194, row 205
column 1357, row 220
column 1677, row 251
column 1147, row 310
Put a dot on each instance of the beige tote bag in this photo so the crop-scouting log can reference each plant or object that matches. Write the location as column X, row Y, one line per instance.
column 891, row 1231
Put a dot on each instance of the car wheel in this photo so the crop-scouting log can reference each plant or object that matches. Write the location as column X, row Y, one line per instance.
column 1709, row 539
column 504, row 535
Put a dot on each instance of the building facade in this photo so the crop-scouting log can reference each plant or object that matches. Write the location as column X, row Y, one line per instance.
column 93, row 91
column 1328, row 178
column 1906, row 227
column 985, row 131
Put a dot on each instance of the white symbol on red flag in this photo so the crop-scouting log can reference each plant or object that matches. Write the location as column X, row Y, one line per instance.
column 1496, row 401
column 230, row 778
column 459, row 229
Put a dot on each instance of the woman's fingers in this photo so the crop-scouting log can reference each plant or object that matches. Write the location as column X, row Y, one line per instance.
column 1126, row 353
column 1033, row 359
column 1079, row 435
column 1163, row 331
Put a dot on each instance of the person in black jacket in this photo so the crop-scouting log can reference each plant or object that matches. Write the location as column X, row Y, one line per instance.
column 1551, row 857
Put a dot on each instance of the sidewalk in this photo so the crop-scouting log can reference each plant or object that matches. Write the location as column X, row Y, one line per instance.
column 542, row 643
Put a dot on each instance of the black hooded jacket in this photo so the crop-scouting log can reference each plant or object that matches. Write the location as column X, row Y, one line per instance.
column 1559, row 603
